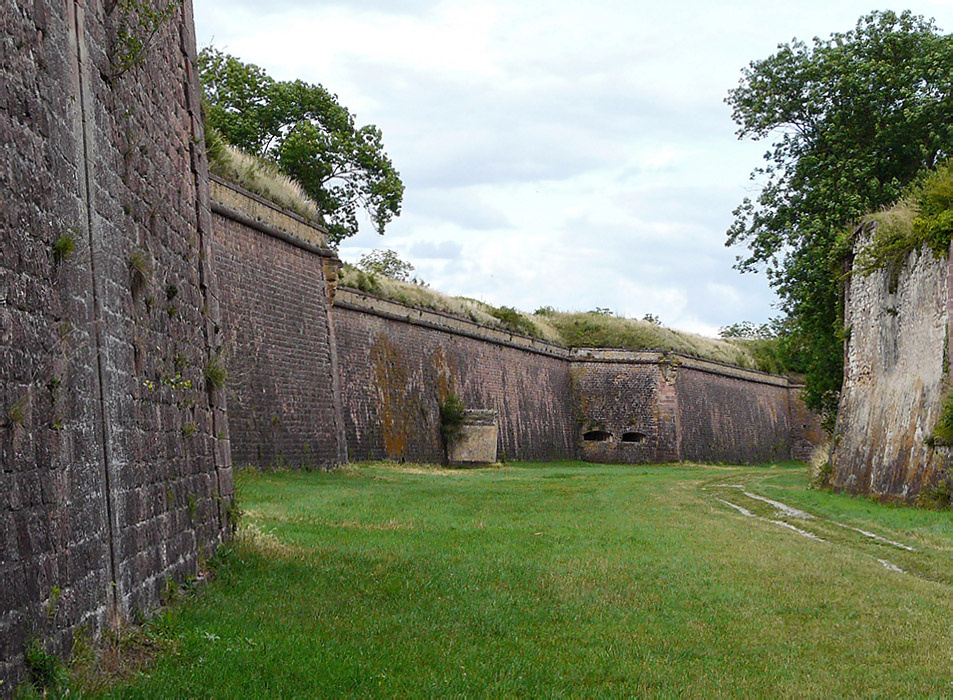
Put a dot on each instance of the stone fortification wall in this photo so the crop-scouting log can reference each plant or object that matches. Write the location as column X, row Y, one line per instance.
column 398, row 365
column 624, row 405
column 114, row 471
column 274, row 270
column 320, row 375
column 894, row 379
column 663, row 407
column 731, row 415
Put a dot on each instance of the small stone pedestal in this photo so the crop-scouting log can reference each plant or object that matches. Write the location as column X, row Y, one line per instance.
column 477, row 442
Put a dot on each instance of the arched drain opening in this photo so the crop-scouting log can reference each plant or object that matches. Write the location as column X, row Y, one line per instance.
column 633, row 437
column 596, row 436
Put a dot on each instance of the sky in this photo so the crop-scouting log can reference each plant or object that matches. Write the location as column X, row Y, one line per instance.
column 558, row 153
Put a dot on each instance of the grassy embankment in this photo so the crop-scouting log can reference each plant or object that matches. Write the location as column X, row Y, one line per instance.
column 580, row 329
column 542, row 580
column 571, row 329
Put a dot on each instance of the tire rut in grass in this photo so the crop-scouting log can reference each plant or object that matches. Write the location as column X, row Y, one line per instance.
column 891, row 554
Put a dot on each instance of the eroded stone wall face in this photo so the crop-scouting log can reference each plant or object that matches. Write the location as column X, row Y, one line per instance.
column 894, row 379
column 113, row 454
column 807, row 431
column 727, row 418
column 279, row 347
column 395, row 375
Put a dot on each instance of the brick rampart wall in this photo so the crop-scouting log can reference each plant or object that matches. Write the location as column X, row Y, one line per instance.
column 114, row 466
column 279, row 348
column 727, row 418
column 615, row 400
column 398, row 364
column 662, row 407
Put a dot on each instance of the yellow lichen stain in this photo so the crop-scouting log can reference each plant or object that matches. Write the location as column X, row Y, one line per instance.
column 444, row 377
column 390, row 381
column 668, row 367
column 581, row 405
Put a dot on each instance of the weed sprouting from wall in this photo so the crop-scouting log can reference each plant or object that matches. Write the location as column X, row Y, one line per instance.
column 451, row 422
column 53, row 602
column 18, row 412
column 140, row 270
column 139, row 25
column 216, row 376
column 451, row 419
column 943, row 430
column 232, row 510
column 64, row 246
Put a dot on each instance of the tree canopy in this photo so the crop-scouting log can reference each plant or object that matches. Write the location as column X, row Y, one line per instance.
column 387, row 263
column 310, row 135
column 853, row 120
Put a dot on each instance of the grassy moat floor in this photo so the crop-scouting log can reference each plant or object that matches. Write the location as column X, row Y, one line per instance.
column 564, row 579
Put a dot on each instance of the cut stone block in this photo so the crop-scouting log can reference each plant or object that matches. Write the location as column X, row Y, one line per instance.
column 477, row 443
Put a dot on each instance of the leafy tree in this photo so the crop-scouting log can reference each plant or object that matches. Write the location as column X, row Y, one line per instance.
column 748, row 330
column 774, row 347
column 386, row 263
column 311, row 137
column 854, row 119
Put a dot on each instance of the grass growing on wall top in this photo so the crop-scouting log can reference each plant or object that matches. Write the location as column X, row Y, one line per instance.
column 570, row 329
column 423, row 297
column 922, row 218
column 595, row 330
column 567, row 579
column 257, row 175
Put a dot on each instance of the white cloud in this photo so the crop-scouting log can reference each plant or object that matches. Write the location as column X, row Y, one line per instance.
column 557, row 153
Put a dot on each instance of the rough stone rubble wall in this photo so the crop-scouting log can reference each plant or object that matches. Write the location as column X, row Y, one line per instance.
column 279, row 345
column 114, row 463
column 894, row 379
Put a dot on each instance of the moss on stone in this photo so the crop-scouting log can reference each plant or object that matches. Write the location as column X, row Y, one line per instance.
column 943, row 430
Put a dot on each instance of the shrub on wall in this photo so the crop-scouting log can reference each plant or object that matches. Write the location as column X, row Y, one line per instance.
column 451, row 420
column 922, row 218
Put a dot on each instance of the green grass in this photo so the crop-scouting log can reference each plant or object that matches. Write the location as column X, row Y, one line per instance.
column 922, row 219
column 587, row 329
column 563, row 579
column 595, row 330
column 258, row 175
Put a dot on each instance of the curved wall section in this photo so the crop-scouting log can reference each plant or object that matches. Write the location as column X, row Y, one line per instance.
column 279, row 349
column 894, row 380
